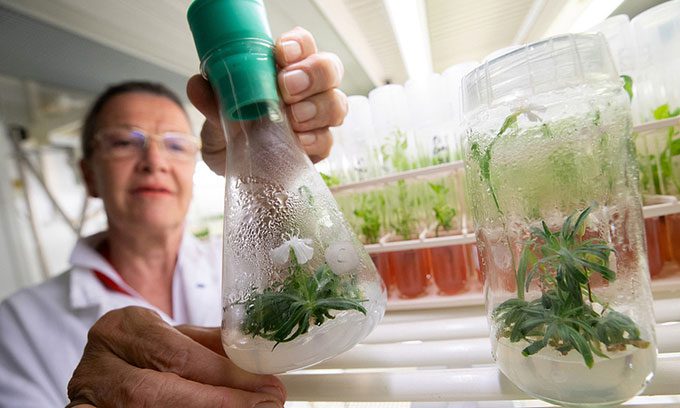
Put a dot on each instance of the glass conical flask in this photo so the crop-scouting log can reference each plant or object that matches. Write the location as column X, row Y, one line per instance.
column 298, row 286
column 552, row 182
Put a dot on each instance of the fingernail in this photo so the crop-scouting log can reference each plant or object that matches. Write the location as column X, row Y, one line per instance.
column 295, row 81
column 303, row 111
column 273, row 391
column 291, row 50
column 268, row 404
column 307, row 138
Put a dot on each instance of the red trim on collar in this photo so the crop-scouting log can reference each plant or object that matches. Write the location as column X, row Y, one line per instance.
column 109, row 283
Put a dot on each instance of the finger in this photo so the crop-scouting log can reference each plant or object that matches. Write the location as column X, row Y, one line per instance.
column 137, row 387
column 209, row 337
column 316, row 143
column 201, row 95
column 293, row 46
column 134, row 334
column 318, row 111
column 315, row 74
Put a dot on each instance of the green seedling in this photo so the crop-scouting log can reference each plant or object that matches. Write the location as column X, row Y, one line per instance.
column 404, row 221
column 370, row 217
column 628, row 85
column 443, row 212
column 672, row 149
column 394, row 151
column 331, row 181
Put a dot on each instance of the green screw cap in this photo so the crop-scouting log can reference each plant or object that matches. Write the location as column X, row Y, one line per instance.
column 236, row 50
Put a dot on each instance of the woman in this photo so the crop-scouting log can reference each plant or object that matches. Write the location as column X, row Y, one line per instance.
column 139, row 158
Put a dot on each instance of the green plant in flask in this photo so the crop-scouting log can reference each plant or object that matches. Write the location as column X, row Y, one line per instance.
column 330, row 180
column 552, row 187
column 395, row 151
column 443, row 212
column 628, row 85
column 370, row 215
column 567, row 316
column 298, row 287
column 669, row 170
column 403, row 221
column 286, row 310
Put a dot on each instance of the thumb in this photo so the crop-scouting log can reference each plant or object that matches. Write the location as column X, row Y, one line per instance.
column 201, row 95
column 208, row 337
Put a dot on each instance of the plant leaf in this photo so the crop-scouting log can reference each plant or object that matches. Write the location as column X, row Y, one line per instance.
column 628, row 86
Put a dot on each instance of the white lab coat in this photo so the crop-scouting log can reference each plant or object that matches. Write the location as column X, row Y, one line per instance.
column 43, row 329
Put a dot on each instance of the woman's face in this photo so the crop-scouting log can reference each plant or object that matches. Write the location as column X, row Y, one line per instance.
column 146, row 188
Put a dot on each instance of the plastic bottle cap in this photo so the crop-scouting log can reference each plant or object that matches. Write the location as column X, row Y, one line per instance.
column 236, row 50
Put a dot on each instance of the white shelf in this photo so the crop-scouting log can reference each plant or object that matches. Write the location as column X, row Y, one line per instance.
column 662, row 205
column 425, row 172
column 437, row 301
column 421, row 243
column 657, row 124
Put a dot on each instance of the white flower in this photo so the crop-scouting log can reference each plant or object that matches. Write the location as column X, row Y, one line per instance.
column 529, row 111
column 342, row 257
column 532, row 116
column 301, row 247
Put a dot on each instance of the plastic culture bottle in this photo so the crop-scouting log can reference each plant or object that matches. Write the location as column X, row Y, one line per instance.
column 298, row 287
column 452, row 78
column 657, row 83
column 427, row 106
column 552, row 185
column 392, row 123
column 357, row 133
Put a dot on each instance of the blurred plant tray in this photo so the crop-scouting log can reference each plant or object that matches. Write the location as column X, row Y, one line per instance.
column 438, row 170
column 655, row 206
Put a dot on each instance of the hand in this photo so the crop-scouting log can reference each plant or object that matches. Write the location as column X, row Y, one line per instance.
column 133, row 359
column 308, row 81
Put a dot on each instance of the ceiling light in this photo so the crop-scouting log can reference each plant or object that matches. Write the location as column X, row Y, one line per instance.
column 409, row 23
column 596, row 12
column 579, row 15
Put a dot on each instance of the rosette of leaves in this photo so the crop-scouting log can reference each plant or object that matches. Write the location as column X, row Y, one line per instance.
column 567, row 316
column 287, row 309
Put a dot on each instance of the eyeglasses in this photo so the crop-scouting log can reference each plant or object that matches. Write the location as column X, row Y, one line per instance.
column 127, row 142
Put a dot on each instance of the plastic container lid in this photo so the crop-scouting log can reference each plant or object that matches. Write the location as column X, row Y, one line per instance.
column 453, row 79
column 358, row 124
column 552, row 64
column 236, row 50
column 358, row 136
column 426, row 100
column 389, row 109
